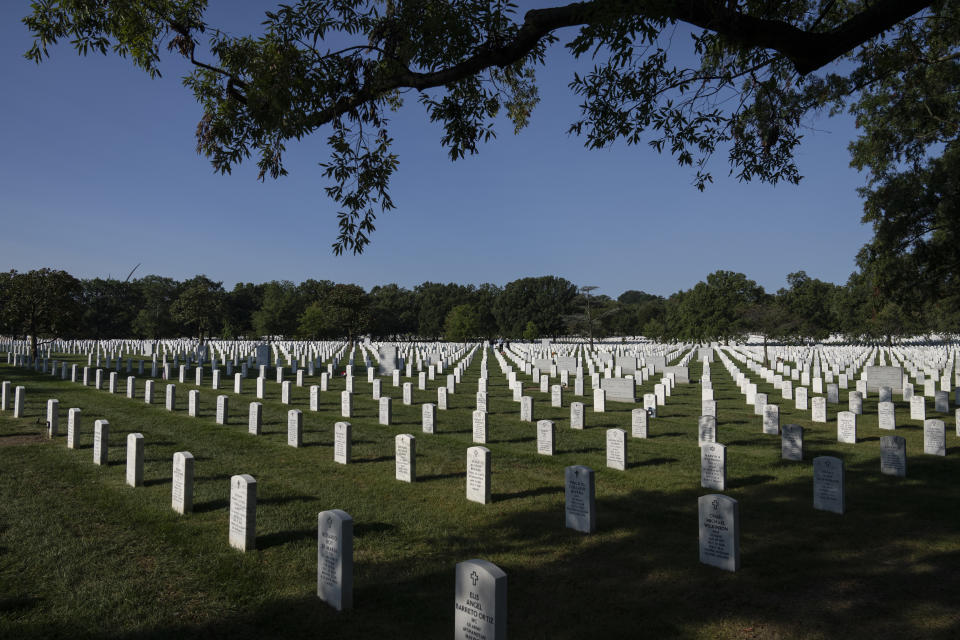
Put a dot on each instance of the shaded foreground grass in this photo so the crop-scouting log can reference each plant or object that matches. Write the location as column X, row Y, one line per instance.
column 83, row 555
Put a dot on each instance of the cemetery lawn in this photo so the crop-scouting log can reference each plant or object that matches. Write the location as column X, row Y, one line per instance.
column 84, row 555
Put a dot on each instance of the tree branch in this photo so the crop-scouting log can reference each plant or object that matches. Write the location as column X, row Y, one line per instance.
column 807, row 51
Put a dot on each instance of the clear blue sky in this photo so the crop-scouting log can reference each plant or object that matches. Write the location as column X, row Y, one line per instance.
column 98, row 173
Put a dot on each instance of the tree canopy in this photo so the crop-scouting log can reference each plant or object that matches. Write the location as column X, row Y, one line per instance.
column 199, row 306
column 44, row 303
column 725, row 304
column 761, row 71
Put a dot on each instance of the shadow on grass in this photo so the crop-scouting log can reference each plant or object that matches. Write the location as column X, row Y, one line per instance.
column 528, row 493
column 283, row 537
column 377, row 459
column 506, row 440
column 21, row 433
column 653, row 462
column 18, row 604
column 582, row 450
column 156, row 482
column 210, row 505
column 442, row 476
column 219, row 476
column 286, row 499
column 751, row 480
column 366, row 528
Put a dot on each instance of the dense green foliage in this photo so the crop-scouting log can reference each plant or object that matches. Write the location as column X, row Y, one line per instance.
column 462, row 323
column 542, row 301
column 909, row 115
column 724, row 305
column 44, row 303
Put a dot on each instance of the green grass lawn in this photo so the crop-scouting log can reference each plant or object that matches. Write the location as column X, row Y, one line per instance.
column 84, row 555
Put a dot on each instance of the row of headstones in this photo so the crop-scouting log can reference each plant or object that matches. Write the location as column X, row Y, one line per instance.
column 335, row 533
column 600, row 387
column 295, row 419
column 19, row 397
column 718, row 515
column 713, row 458
column 802, row 370
column 916, row 366
column 342, row 430
column 335, row 529
column 846, row 420
column 581, row 353
column 238, row 388
column 819, row 403
column 166, row 373
column 230, row 363
column 541, row 366
column 893, row 448
column 893, row 453
column 616, row 438
column 651, row 400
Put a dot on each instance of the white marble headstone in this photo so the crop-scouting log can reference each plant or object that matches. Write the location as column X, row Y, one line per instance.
column 719, row 520
column 713, row 466
column 342, row 444
column 546, row 434
column 405, row 448
column 526, row 409
column 478, row 474
column 479, row 427
column 243, row 512
column 182, row 482
column 295, row 428
column 385, row 412
column 480, row 601
column 639, row 423
column 847, row 427
column 893, row 456
column 819, row 409
column 101, row 438
column 135, row 459
column 335, row 558
column 73, row 427
column 255, row 422
column 771, row 419
column 617, row 449
column 580, row 490
column 934, row 437
column 791, row 442
column 828, row 487
column 576, row 415
column 429, row 417
column 886, row 415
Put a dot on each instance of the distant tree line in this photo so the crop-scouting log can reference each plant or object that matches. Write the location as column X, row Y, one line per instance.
column 49, row 303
